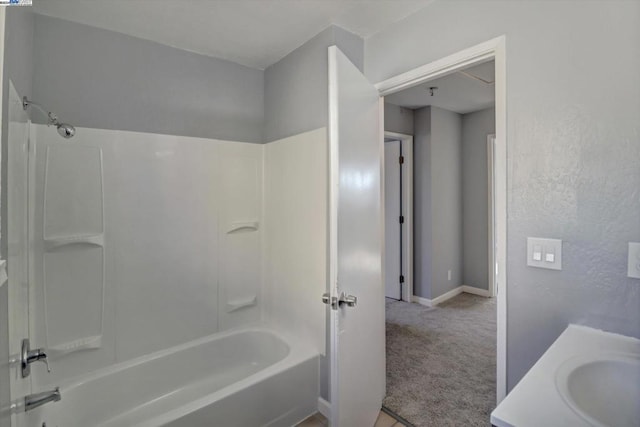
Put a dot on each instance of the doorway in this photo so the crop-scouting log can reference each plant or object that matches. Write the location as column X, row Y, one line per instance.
column 398, row 176
column 427, row 79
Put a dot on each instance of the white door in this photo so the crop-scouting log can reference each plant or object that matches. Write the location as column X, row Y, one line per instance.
column 392, row 223
column 356, row 244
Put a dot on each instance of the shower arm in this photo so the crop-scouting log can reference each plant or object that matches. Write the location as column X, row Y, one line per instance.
column 52, row 118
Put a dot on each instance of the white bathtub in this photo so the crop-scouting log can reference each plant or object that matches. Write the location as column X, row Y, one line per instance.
column 253, row 377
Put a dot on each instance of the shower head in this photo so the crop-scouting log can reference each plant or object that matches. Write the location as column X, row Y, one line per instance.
column 64, row 129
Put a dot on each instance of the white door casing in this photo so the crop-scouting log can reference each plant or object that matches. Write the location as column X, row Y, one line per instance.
column 392, row 213
column 492, row 49
column 357, row 382
column 491, row 238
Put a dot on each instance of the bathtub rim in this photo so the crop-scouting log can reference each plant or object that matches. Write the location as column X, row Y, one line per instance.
column 299, row 352
column 80, row 380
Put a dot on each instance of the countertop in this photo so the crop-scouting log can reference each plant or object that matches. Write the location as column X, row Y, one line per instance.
column 535, row 400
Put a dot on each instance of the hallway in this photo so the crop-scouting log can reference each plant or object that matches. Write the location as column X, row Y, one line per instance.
column 441, row 361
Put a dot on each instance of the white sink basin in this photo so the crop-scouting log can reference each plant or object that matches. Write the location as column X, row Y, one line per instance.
column 604, row 389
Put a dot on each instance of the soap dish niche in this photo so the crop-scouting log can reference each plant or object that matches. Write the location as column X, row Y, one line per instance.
column 243, row 227
column 239, row 304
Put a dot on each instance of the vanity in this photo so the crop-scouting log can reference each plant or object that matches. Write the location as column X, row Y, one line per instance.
column 586, row 378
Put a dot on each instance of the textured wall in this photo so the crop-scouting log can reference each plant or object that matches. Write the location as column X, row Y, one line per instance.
column 573, row 102
column 102, row 79
column 296, row 87
column 398, row 119
column 475, row 207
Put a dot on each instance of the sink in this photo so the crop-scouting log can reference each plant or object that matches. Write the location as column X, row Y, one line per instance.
column 587, row 377
column 603, row 389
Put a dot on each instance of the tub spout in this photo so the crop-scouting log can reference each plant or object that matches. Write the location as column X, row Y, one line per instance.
column 32, row 401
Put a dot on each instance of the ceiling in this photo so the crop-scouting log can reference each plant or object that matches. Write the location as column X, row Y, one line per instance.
column 461, row 92
column 255, row 33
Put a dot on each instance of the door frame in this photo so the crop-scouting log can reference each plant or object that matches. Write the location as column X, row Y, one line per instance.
column 494, row 49
column 407, row 210
column 491, row 237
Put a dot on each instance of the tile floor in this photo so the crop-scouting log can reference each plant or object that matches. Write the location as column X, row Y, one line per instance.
column 317, row 420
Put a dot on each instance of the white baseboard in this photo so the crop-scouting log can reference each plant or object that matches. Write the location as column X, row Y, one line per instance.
column 476, row 291
column 421, row 301
column 452, row 293
column 324, row 408
column 442, row 298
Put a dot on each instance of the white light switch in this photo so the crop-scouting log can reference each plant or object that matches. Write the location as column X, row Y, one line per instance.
column 633, row 269
column 549, row 254
column 537, row 253
column 544, row 253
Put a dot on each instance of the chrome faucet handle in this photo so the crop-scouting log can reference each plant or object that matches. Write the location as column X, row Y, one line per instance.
column 42, row 357
column 29, row 356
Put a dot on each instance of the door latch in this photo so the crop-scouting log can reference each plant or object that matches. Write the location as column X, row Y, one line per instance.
column 349, row 300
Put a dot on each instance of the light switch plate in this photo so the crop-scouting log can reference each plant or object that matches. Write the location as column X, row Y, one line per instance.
column 551, row 253
column 633, row 269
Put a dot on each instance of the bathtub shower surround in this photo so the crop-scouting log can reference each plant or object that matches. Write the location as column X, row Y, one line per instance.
column 135, row 246
column 180, row 269
column 297, row 225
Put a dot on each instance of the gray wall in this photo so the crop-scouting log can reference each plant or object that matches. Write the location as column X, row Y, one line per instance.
column 437, row 201
column 97, row 78
column 573, row 151
column 422, row 230
column 446, row 200
column 296, row 87
column 18, row 67
column 475, row 193
column 398, row 119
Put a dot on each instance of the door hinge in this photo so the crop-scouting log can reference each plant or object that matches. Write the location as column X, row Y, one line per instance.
column 401, row 219
column 401, row 159
column 401, row 278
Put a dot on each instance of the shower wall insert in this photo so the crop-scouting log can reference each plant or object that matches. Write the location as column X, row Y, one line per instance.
column 177, row 277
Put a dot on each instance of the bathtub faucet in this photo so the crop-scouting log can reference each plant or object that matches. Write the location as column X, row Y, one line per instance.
column 32, row 401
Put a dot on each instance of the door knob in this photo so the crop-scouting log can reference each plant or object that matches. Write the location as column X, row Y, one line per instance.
column 329, row 300
column 326, row 298
column 350, row 300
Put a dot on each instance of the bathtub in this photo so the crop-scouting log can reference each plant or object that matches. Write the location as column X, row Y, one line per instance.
column 251, row 377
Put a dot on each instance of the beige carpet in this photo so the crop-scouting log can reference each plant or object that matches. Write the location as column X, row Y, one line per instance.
column 441, row 361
